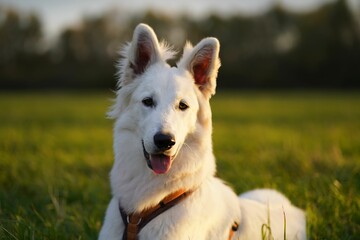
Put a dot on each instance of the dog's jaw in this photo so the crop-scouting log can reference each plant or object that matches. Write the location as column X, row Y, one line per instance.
column 146, row 155
column 159, row 163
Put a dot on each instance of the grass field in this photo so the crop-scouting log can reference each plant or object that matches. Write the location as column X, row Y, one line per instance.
column 56, row 152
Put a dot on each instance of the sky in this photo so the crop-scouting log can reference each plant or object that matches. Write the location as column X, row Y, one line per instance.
column 57, row 15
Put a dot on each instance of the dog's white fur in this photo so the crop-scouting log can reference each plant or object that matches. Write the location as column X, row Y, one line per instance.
column 209, row 212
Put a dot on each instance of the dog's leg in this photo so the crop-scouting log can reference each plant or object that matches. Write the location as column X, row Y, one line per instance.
column 266, row 196
column 113, row 226
column 266, row 211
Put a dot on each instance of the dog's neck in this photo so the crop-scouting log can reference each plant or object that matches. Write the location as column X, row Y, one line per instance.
column 138, row 188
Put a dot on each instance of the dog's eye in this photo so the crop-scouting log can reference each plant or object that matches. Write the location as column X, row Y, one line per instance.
column 183, row 106
column 148, row 102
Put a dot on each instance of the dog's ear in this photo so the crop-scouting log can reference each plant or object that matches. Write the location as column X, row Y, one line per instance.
column 144, row 49
column 203, row 63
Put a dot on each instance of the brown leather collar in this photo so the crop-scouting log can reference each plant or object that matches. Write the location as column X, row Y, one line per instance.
column 233, row 229
column 134, row 222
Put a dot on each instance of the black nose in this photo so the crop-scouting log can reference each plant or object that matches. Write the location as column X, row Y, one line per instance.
column 164, row 141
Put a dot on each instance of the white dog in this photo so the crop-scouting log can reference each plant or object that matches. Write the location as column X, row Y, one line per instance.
column 162, row 181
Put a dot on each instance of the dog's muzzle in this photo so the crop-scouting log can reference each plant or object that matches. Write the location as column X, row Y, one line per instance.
column 159, row 163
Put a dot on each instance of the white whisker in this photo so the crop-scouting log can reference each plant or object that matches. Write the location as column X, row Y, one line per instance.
column 194, row 152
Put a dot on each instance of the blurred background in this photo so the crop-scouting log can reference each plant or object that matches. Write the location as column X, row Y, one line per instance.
column 265, row 43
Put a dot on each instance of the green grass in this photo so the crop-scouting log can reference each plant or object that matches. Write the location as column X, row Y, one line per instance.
column 56, row 152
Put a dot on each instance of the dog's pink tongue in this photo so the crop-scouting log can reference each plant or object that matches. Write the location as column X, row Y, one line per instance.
column 160, row 163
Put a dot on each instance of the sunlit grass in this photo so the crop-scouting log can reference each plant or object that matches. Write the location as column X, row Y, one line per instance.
column 56, row 152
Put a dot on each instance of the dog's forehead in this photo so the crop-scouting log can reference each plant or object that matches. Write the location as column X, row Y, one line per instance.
column 180, row 79
column 169, row 80
column 180, row 83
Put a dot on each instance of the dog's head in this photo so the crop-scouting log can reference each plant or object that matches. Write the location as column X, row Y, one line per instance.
column 159, row 107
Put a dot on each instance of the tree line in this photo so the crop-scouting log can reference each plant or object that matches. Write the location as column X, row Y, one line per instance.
column 278, row 49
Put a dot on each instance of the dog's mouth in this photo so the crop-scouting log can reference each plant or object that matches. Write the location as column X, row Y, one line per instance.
column 159, row 162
